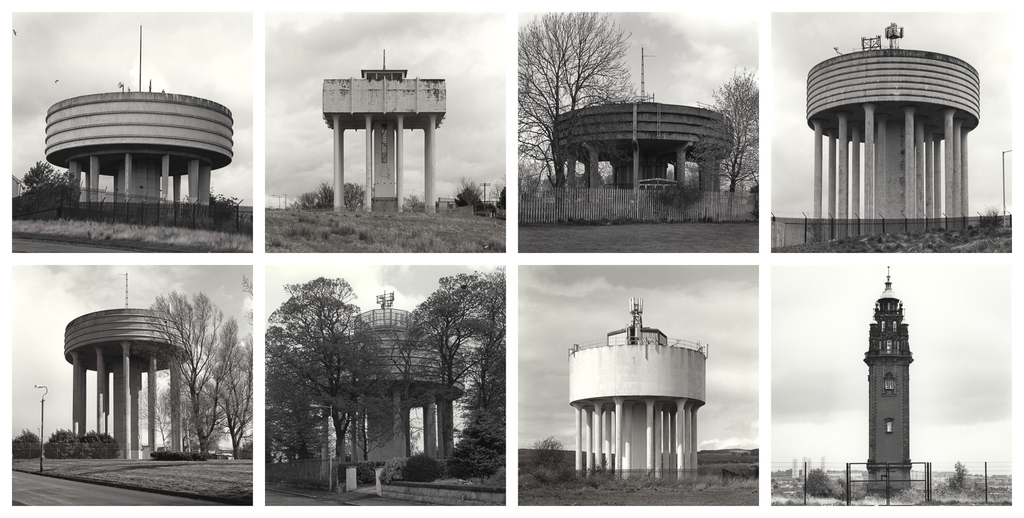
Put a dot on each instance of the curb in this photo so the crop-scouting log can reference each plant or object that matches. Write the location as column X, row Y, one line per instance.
column 219, row 500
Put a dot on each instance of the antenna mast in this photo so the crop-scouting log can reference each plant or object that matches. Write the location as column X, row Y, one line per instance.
column 643, row 95
column 385, row 59
column 125, row 289
column 140, row 86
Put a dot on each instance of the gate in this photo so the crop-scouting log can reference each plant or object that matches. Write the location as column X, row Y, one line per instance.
column 887, row 479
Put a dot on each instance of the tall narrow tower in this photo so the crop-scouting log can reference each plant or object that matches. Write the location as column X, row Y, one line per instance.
column 888, row 359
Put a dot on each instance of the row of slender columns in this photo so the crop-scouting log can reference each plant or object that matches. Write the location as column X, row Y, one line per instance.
column 605, row 436
column 198, row 179
column 921, row 166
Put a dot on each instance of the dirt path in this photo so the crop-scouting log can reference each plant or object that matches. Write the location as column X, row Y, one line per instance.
column 47, row 243
column 644, row 238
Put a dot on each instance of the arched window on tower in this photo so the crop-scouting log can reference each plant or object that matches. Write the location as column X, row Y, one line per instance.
column 889, row 384
column 883, row 326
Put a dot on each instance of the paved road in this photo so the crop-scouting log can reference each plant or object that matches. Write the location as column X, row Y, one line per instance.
column 31, row 245
column 29, row 489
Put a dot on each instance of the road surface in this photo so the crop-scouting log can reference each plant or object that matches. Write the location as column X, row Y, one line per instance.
column 29, row 489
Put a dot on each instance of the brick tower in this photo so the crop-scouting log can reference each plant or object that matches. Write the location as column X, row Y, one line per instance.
column 888, row 359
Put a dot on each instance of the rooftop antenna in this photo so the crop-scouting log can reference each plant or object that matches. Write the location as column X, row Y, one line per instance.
column 643, row 96
column 140, row 58
column 894, row 34
column 636, row 309
column 385, row 59
column 869, row 43
column 125, row 289
column 386, row 300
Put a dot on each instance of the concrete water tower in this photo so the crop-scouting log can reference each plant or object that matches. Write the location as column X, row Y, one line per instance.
column 636, row 394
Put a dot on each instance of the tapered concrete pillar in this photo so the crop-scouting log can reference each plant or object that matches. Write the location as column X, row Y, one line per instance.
column 855, row 171
column 818, row 130
column 627, row 441
column 659, row 438
column 593, row 175
column 368, row 194
column 126, row 395
column 842, row 193
column 430, row 198
column 177, row 188
column 869, row 160
column 151, row 403
column 909, row 167
column 400, row 160
column 831, row 171
column 129, row 187
column 680, row 425
column 881, row 168
column 75, row 171
column 339, row 163
column 78, row 394
column 618, row 432
column 589, row 423
column 579, row 436
column 599, row 436
column 948, row 168
column 929, row 171
column 919, row 162
column 693, row 438
column 670, row 421
column 958, row 168
column 175, row 406
column 101, row 394
column 937, row 181
column 135, row 388
column 964, row 191
column 204, row 183
column 193, row 181
column 650, row 433
column 165, row 173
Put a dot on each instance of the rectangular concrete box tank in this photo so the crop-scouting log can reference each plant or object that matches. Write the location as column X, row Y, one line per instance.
column 384, row 96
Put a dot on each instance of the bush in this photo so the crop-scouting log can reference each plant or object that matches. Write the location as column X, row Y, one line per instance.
column 679, row 195
column 991, row 218
column 421, row 468
column 27, row 436
column 179, row 456
column 480, row 452
column 394, row 469
column 958, row 480
column 548, row 453
column 819, row 484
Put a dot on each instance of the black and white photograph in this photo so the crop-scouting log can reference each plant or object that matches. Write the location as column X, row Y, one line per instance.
column 385, row 385
column 891, row 132
column 891, row 386
column 385, row 132
column 132, row 132
column 638, row 132
column 638, row 385
column 174, row 427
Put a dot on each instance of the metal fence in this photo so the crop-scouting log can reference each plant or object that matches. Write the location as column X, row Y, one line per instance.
column 643, row 205
column 795, row 231
column 305, row 473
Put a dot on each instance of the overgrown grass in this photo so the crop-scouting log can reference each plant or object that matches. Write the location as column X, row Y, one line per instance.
column 225, row 480
column 986, row 239
column 295, row 231
column 122, row 235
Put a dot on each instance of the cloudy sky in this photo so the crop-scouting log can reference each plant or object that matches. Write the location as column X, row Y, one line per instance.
column 693, row 53
column 467, row 50
column 715, row 305
column 46, row 298
column 207, row 55
column 801, row 40
column 960, row 388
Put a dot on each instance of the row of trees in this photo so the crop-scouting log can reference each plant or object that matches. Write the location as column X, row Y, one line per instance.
column 469, row 193
column 570, row 61
column 321, row 354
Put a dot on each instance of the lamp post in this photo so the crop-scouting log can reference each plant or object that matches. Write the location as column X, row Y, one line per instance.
column 1004, row 180
column 42, row 409
column 327, row 445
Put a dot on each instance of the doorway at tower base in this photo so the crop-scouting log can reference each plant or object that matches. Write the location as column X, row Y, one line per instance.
column 385, row 205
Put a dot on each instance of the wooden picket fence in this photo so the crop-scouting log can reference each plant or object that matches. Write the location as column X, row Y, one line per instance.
column 596, row 205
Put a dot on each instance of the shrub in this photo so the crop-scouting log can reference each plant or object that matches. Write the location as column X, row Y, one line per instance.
column 27, row 436
column 958, row 480
column 179, row 456
column 421, row 468
column 548, row 452
column 480, row 452
column 819, row 484
column 991, row 218
column 394, row 469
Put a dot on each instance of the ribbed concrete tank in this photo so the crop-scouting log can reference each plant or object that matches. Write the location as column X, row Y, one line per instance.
column 636, row 395
column 125, row 343
column 912, row 111
column 157, row 138
column 644, row 137
column 412, row 383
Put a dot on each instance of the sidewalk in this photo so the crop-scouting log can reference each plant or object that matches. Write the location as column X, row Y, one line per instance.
column 363, row 496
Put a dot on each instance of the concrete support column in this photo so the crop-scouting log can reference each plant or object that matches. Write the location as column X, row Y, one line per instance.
column 78, row 394
column 831, row 171
column 579, row 436
column 193, row 181
column 680, row 165
column 650, row 433
column 818, row 130
column 659, row 439
column 693, row 438
column 151, row 402
column 948, row 169
column 964, row 191
column 76, row 172
column 204, row 183
column 593, row 175
column 958, row 168
column 919, row 159
column 670, row 418
column 428, row 167
column 881, row 168
column 339, row 162
column 430, row 430
column 128, row 179
column 618, row 433
column 909, row 167
column 94, row 178
column 126, row 396
column 368, row 194
column 636, row 155
column 175, row 406
column 680, row 426
column 855, row 171
column 590, row 438
column 599, row 435
column 165, row 172
column 929, row 171
column 135, row 387
column 936, row 193
column 400, row 160
column 101, row 394
column 177, row 188
column 627, row 440
column 843, row 206
column 869, row 160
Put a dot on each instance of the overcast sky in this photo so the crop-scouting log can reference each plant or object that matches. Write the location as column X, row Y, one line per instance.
column 692, row 54
column 207, row 55
column 802, row 40
column 467, row 50
column 46, row 298
column 960, row 382
column 714, row 305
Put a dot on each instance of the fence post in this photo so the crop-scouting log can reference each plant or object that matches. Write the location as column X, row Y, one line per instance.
column 832, row 227
column 986, row 482
column 848, row 484
column 805, row 483
column 887, row 474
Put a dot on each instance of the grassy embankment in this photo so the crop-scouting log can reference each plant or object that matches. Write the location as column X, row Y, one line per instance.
column 978, row 239
column 225, row 480
column 120, row 235
column 295, row 231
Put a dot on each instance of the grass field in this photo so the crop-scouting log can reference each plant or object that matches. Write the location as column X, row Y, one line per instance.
column 226, row 480
column 296, row 231
column 640, row 237
column 992, row 240
column 132, row 237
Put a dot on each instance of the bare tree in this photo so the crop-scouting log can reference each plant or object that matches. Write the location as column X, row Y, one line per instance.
column 467, row 193
column 236, row 399
column 567, row 61
column 737, row 100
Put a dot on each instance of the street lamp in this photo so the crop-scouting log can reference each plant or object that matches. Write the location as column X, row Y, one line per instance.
column 327, row 446
column 42, row 408
column 1004, row 180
